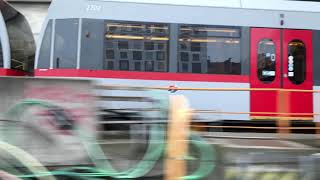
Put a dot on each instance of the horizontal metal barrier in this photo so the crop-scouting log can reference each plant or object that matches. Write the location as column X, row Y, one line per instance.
column 282, row 116
column 116, row 87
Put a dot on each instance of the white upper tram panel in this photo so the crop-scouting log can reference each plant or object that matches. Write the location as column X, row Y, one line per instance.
column 252, row 13
column 285, row 5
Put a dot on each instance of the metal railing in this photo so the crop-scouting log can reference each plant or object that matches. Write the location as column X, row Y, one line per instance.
column 282, row 116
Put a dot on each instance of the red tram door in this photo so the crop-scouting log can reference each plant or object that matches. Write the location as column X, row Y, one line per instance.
column 281, row 59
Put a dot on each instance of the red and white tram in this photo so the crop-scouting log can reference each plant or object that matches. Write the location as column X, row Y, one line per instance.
column 198, row 44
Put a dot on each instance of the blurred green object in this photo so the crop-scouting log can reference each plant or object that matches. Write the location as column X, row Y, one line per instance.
column 103, row 168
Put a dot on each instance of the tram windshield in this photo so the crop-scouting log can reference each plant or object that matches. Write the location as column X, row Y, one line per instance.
column 21, row 39
column 1, row 56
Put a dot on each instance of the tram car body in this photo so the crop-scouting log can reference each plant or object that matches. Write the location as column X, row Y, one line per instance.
column 195, row 44
column 17, row 45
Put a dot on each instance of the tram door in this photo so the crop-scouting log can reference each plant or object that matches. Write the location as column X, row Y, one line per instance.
column 281, row 59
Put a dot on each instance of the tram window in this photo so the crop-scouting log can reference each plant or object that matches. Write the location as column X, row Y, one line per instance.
column 149, row 56
column 160, row 55
column 185, row 68
column 124, row 65
column 161, row 46
column 92, row 49
column 110, row 54
column 141, row 44
column 196, row 57
column 123, row 55
column 123, row 45
column 297, row 62
column 160, row 66
column 1, row 57
column 45, row 49
column 110, row 65
column 266, row 61
column 137, row 66
column 65, row 46
column 149, row 46
column 196, row 68
column 149, row 66
column 209, row 49
column 137, row 55
column 184, row 56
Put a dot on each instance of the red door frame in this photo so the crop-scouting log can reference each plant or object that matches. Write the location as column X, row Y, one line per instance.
column 266, row 101
column 299, row 102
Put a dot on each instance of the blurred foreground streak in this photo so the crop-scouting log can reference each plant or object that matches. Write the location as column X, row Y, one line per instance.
column 7, row 176
column 56, row 129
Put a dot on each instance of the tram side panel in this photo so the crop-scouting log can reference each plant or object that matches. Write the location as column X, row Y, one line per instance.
column 140, row 56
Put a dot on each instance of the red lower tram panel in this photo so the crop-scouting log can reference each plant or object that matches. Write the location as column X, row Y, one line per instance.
column 12, row 72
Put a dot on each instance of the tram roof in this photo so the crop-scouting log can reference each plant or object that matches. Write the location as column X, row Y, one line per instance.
column 284, row 5
column 252, row 13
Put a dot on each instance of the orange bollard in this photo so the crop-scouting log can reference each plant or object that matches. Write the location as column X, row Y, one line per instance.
column 318, row 128
column 178, row 135
column 283, row 103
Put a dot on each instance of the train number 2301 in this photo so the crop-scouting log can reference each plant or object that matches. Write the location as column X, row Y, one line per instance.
column 95, row 8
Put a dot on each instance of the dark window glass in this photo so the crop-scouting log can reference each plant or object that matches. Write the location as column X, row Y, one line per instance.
column 266, row 61
column 45, row 49
column 141, row 44
column 215, row 49
column 196, row 47
column 124, row 65
column 109, row 45
column 160, row 55
column 137, row 55
column 137, row 66
column 92, row 53
column 137, row 45
column 149, row 46
column 149, row 66
column 123, row 45
column 161, row 66
column 123, row 55
column 183, row 46
column 160, row 46
column 297, row 62
column 110, row 54
column 185, row 67
column 110, row 65
column 149, row 55
column 66, row 43
column 196, row 68
column 184, row 56
column 196, row 57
